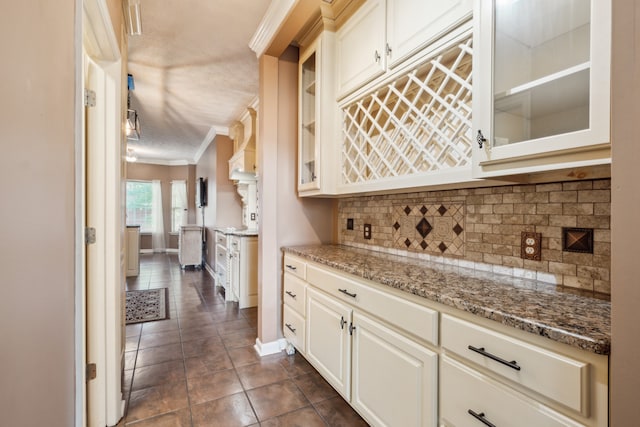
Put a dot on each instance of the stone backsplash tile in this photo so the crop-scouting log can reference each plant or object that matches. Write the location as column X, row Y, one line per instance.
column 480, row 228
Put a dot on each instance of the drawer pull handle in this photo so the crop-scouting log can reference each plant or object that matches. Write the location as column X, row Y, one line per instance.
column 513, row 364
column 342, row 322
column 292, row 329
column 480, row 417
column 344, row 291
column 291, row 294
column 291, row 267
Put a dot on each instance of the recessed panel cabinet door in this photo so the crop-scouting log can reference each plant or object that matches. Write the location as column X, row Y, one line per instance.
column 395, row 380
column 328, row 340
column 412, row 24
column 361, row 45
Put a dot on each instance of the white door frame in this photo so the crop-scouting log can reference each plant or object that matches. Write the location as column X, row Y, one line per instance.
column 99, row 269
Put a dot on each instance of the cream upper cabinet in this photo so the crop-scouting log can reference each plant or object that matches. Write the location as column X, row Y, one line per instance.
column 360, row 46
column 383, row 33
column 412, row 24
column 541, row 77
column 318, row 116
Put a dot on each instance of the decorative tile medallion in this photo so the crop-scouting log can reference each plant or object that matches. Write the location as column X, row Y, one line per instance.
column 432, row 228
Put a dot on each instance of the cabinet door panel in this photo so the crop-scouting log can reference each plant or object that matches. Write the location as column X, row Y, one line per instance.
column 328, row 340
column 412, row 24
column 394, row 379
column 359, row 40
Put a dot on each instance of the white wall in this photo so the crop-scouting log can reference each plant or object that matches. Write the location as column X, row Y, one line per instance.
column 37, row 130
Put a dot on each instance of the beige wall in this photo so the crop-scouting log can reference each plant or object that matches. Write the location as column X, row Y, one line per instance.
column 224, row 206
column 37, row 127
column 625, row 207
column 166, row 174
column 284, row 219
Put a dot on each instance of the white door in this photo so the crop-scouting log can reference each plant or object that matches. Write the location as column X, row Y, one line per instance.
column 328, row 340
column 395, row 380
column 100, row 210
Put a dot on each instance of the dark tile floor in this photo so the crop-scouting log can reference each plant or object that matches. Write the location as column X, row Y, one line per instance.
column 199, row 367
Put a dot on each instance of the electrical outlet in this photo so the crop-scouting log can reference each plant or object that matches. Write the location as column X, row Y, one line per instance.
column 349, row 223
column 253, row 216
column 530, row 246
column 367, row 231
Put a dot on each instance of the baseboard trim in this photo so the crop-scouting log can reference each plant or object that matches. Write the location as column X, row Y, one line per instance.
column 146, row 251
column 172, row 251
column 273, row 347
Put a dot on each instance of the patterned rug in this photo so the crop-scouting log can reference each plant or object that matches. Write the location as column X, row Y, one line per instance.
column 147, row 305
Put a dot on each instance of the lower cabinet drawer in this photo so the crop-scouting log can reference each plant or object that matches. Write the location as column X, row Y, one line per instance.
column 295, row 266
column 468, row 398
column 294, row 293
column 293, row 328
column 551, row 374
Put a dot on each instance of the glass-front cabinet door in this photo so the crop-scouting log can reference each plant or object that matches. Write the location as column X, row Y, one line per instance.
column 307, row 150
column 317, row 117
column 541, row 85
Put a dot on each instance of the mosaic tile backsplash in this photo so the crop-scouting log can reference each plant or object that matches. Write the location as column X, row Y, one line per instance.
column 481, row 228
column 429, row 228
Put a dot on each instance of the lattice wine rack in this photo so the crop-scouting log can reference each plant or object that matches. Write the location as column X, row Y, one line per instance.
column 419, row 122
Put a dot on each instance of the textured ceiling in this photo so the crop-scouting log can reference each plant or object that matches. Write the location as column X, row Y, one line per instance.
column 193, row 70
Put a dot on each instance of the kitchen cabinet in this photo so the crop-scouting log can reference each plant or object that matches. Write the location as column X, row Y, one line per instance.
column 394, row 378
column 490, row 375
column 243, row 280
column 541, row 85
column 400, row 359
column 318, row 117
column 383, row 33
column 237, row 267
column 329, row 340
column 132, row 250
column 190, row 246
column 294, row 303
column 222, row 263
column 368, row 361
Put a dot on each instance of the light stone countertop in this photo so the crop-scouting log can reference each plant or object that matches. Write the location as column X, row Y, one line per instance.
column 562, row 314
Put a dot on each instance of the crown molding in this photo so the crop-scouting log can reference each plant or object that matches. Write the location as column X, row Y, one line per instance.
column 271, row 22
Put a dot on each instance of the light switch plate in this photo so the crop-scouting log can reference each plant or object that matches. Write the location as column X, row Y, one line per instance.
column 367, row 231
column 530, row 246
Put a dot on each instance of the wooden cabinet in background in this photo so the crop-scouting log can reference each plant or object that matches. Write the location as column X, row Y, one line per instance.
column 132, row 250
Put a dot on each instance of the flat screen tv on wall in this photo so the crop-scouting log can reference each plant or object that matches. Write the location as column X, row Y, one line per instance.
column 201, row 192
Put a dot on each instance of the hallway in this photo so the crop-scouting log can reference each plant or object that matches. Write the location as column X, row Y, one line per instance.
column 199, row 367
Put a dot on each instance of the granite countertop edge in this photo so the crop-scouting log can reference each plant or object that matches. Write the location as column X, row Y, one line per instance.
column 236, row 231
column 558, row 313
